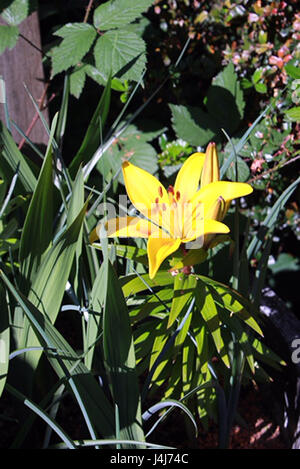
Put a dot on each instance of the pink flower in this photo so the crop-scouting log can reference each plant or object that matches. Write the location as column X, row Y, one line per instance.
column 256, row 165
column 283, row 51
column 253, row 18
column 274, row 60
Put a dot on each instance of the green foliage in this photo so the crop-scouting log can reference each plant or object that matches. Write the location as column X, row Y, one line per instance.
column 224, row 107
column 16, row 11
column 118, row 13
column 8, row 37
column 77, row 41
column 132, row 145
column 118, row 52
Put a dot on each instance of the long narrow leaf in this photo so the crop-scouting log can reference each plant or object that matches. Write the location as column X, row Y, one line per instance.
column 120, row 357
column 91, row 398
column 92, row 138
column 12, row 159
column 48, row 287
column 44, row 416
column 270, row 220
column 37, row 231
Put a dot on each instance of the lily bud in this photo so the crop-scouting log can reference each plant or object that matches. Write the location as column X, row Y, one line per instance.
column 218, row 210
column 211, row 170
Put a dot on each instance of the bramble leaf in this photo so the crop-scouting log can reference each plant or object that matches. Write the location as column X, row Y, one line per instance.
column 77, row 41
column 8, row 37
column 117, row 13
column 121, row 53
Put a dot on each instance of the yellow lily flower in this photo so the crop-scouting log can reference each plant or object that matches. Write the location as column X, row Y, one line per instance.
column 179, row 214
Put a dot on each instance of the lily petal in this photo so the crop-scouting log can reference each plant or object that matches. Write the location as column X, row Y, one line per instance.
column 143, row 189
column 227, row 190
column 188, row 177
column 211, row 170
column 159, row 248
column 129, row 227
column 200, row 228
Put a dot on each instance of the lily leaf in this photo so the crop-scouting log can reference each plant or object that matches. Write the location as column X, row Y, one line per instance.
column 184, row 286
column 209, row 312
column 119, row 357
column 68, row 365
column 193, row 257
column 37, row 233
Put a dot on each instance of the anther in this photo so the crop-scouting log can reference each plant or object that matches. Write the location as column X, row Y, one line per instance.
column 171, row 190
column 177, row 195
column 160, row 191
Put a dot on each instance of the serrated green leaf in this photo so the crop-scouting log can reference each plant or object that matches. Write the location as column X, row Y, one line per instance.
column 243, row 171
column 225, row 107
column 77, row 41
column 117, row 13
column 132, row 148
column 285, row 263
column 121, row 54
column 257, row 75
column 193, row 124
column 77, row 81
column 293, row 114
column 8, row 37
column 261, row 87
column 16, row 12
column 228, row 80
column 292, row 70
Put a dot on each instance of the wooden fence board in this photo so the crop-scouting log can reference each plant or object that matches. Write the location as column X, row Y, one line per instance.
column 23, row 65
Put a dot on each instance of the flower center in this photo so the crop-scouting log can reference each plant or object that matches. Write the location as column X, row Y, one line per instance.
column 173, row 198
